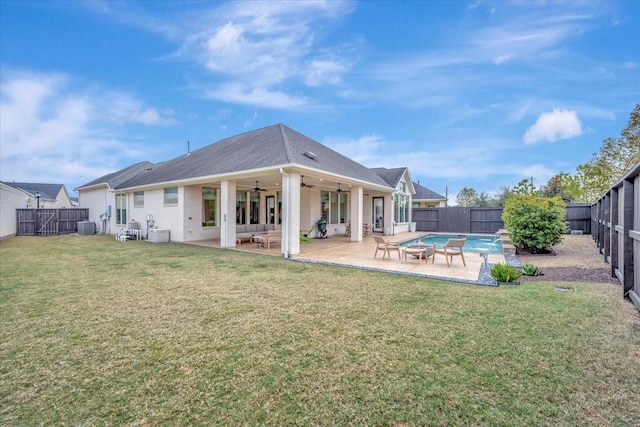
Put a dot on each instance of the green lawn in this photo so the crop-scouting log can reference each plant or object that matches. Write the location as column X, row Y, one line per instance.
column 97, row 332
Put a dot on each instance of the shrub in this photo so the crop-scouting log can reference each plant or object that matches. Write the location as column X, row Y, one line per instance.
column 531, row 270
column 534, row 222
column 505, row 273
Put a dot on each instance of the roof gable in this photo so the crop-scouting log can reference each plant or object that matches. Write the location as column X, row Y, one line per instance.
column 394, row 176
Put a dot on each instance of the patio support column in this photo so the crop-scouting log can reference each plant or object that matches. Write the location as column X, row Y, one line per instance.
column 227, row 214
column 291, row 213
column 356, row 213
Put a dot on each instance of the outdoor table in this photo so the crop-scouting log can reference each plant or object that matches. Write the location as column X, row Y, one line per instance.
column 419, row 251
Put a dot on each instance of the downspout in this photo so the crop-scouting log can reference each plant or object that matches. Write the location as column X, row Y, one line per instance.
column 285, row 225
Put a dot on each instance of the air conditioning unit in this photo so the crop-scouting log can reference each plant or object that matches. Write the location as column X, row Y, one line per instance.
column 86, row 227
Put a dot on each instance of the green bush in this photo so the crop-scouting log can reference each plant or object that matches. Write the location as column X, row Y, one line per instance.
column 531, row 270
column 534, row 222
column 505, row 273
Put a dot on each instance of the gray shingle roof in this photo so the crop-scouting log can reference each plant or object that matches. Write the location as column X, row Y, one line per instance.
column 267, row 147
column 47, row 191
column 391, row 176
column 423, row 193
column 114, row 179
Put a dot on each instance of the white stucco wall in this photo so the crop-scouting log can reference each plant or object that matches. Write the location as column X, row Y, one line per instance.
column 10, row 200
column 97, row 200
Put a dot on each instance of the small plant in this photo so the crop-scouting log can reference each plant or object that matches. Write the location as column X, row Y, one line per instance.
column 531, row 270
column 505, row 273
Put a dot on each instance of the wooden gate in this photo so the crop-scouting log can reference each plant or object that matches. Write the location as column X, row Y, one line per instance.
column 49, row 222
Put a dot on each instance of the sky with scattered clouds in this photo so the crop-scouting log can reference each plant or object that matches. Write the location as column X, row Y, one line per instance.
column 478, row 94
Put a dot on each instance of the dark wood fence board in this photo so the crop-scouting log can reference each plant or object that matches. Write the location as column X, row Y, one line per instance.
column 486, row 220
column 49, row 222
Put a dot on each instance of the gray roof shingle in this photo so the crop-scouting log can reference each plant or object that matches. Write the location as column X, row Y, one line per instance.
column 391, row 176
column 114, row 179
column 47, row 191
column 423, row 193
column 267, row 147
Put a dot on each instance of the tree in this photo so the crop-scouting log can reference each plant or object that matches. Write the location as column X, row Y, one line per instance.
column 525, row 188
column 534, row 222
column 557, row 186
column 483, row 199
column 502, row 195
column 615, row 158
column 466, row 197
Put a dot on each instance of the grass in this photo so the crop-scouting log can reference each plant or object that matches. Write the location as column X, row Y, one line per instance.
column 97, row 332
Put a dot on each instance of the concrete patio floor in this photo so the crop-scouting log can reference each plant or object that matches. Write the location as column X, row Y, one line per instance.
column 340, row 250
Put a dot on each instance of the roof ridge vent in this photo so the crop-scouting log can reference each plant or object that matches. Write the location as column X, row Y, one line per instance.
column 310, row 155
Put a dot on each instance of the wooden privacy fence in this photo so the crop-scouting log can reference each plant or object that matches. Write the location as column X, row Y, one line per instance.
column 486, row 220
column 616, row 225
column 49, row 222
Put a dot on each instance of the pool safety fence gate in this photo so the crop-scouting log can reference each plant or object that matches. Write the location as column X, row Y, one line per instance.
column 49, row 222
column 487, row 220
column 616, row 224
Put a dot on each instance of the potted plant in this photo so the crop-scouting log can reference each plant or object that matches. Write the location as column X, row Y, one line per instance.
column 505, row 274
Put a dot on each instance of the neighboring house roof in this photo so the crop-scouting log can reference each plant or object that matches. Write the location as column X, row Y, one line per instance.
column 47, row 191
column 423, row 193
column 115, row 179
column 265, row 148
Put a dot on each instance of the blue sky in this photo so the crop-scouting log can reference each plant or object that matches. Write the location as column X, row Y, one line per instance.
column 479, row 94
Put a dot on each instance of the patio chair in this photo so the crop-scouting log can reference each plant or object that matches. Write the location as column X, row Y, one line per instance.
column 452, row 248
column 386, row 247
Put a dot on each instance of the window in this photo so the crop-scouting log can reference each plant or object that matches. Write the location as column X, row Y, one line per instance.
column 241, row 207
column 401, row 204
column 121, row 209
column 334, row 207
column 254, row 207
column 324, row 204
column 171, row 196
column 209, row 207
column 138, row 199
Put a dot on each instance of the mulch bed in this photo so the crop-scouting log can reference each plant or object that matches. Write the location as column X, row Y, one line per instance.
column 572, row 274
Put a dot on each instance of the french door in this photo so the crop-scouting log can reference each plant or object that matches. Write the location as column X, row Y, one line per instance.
column 378, row 214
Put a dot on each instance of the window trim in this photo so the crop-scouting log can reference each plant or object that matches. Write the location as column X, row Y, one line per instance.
column 138, row 193
column 166, row 192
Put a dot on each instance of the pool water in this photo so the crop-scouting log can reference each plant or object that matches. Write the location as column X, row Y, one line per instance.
column 475, row 242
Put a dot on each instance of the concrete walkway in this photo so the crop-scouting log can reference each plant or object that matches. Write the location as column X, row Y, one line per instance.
column 339, row 250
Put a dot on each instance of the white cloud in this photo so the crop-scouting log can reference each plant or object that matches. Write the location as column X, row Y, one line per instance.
column 54, row 131
column 264, row 47
column 320, row 72
column 501, row 59
column 237, row 93
column 554, row 125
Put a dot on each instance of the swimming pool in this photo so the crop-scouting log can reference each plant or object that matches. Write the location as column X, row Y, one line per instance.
column 489, row 243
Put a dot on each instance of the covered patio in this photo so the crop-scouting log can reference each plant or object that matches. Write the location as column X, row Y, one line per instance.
column 342, row 251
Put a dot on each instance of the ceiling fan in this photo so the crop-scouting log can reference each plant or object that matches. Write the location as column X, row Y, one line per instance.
column 302, row 184
column 340, row 190
column 257, row 188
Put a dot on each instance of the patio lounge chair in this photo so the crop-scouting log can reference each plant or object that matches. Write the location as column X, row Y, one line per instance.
column 452, row 248
column 386, row 247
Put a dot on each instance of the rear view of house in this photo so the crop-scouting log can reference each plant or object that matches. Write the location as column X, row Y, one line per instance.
column 274, row 177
